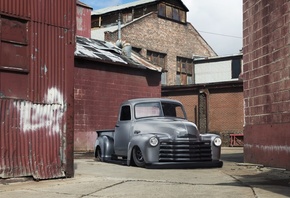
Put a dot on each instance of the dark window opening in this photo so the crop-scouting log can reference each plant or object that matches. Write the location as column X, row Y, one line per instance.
column 125, row 113
column 236, row 68
column 137, row 50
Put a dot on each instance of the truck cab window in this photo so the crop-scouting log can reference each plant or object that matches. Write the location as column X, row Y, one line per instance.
column 173, row 110
column 125, row 113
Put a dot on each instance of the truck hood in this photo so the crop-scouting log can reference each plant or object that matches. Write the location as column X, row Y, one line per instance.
column 172, row 128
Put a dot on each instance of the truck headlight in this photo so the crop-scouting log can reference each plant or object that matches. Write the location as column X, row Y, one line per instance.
column 153, row 141
column 217, row 141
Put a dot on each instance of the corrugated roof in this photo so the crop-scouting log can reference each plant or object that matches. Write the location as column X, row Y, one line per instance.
column 107, row 52
column 120, row 7
column 99, row 33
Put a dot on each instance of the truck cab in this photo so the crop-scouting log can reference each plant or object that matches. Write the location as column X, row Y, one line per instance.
column 156, row 132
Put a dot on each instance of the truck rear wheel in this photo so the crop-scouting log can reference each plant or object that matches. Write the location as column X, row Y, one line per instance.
column 98, row 154
column 138, row 157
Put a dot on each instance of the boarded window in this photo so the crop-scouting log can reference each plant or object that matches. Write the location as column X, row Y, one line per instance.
column 182, row 15
column 184, row 71
column 14, row 45
column 162, row 10
column 175, row 14
column 127, row 17
column 172, row 13
column 157, row 58
column 169, row 12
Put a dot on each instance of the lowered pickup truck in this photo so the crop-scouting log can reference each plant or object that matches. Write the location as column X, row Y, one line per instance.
column 154, row 132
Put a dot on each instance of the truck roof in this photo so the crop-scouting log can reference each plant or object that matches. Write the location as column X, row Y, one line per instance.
column 140, row 100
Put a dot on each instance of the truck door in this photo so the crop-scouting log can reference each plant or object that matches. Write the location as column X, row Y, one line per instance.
column 123, row 130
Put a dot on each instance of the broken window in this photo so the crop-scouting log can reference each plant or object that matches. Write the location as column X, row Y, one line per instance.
column 184, row 71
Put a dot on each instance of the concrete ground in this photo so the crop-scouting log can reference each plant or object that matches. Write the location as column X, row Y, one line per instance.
column 96, row 179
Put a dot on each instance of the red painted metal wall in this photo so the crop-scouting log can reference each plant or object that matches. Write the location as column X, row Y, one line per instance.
column 83, row 20
column 100, row 89
column 36, row 88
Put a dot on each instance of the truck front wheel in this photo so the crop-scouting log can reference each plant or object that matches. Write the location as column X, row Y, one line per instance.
column 138, row 157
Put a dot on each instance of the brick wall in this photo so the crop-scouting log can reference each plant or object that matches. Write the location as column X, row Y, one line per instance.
column 267, row 82
column 164, row 36
column 99, row 90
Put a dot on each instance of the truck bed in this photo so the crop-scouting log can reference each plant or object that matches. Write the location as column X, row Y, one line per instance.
column 107, row 132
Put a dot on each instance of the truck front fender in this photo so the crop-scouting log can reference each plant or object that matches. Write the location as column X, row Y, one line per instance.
column 106, row 145
column 150, row 154
column 215, row 150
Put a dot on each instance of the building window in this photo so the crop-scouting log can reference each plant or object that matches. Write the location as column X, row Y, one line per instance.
column 156, row 58
column 184, row 71
column 127, row 17
column 137, row 50
column 172, row 13
column 236, row 68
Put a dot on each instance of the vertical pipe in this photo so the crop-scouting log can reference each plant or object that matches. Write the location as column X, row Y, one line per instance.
column 119, row 27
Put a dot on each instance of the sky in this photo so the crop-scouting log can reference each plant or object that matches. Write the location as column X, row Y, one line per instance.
column 218, row 21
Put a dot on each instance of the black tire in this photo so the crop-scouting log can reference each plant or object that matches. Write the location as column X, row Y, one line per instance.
column 138, row 157
column 98, row 154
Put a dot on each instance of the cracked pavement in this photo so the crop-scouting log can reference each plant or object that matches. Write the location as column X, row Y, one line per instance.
column 96, row 179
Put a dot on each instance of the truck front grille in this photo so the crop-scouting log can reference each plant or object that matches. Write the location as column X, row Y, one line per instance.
column 185, row 151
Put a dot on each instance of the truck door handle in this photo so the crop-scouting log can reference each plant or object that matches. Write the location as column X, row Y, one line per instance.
column 137, row 132
column 117, row 126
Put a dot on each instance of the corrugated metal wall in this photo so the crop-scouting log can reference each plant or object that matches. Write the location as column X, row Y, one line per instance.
column 36, row 98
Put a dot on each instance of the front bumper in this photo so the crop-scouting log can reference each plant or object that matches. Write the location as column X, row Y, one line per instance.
column 187, row 165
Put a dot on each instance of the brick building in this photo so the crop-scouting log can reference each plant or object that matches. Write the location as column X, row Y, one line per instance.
column 215, row 102
column 267, row 82
column 158, row 30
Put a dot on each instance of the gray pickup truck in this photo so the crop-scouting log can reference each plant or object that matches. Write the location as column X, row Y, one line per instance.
column 154, row 132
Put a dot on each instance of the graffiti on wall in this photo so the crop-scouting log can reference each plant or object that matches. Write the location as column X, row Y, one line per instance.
column 47, row 116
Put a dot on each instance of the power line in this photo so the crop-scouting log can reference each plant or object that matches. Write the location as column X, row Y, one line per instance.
column 238, row 37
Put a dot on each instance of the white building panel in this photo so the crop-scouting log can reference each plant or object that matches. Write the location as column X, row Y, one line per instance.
column 212, row 72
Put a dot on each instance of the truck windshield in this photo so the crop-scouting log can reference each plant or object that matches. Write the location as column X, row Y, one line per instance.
column 154, row 109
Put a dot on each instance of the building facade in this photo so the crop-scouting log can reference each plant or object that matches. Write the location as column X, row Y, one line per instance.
column 267, row 82
column 158, row 31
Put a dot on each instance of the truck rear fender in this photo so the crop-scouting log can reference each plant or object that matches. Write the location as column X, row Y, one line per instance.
column 106, row 144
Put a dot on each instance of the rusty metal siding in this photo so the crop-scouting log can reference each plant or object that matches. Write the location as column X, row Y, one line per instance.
column 83, row 25
column 53, row 12
column 48, row 60
column 36, row 120
column 30, row 139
